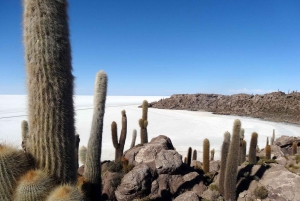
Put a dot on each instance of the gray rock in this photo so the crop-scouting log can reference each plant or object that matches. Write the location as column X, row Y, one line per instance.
column 168, row 162
column 214, row 166
column 187, row 196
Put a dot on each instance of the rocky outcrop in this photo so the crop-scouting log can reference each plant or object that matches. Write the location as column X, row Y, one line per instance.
column 276, row 106
column 187, row 196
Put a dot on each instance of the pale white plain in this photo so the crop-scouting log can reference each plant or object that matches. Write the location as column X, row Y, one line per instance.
column 185, row 128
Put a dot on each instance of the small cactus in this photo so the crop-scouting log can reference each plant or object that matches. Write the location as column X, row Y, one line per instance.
column 194, row 157
column 243, row 149
column 267, row 143
column 133, row 138
column 82, row 154
column 189, row 156
column 205, row 155
column 224, row 154
column 232, row 163
column 212, row 154
column 119, row 146
column 252, row 149
column 294, row 148
column 268, row 152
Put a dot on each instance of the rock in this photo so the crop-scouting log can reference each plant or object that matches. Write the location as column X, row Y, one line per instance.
column 187, row 196
column 214, row 166
column 210, row 195
column 168, row 162
column 281, row 184
column 284, row 141
column 164, row 141
column 80, row 170
column 109, row 185
column 135, row 183
column 281, row 161
column 195, row 164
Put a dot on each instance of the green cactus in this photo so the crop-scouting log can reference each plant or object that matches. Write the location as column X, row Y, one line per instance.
column 242, row 153
column 252, row 148
column 294, row 148
column 268, row 152
column 50, row 88
column 224, row 154
column 232, row 163
column 82, row 154
column 66, row 193
column 92, row 170
column 143, row 122
column 34, row 185
column 194, row 157
column 212, row 154
column 206, row 155
column 133, row 138
column 119, row 146
column 13, row 164
column 24, row 129
column 189, row 156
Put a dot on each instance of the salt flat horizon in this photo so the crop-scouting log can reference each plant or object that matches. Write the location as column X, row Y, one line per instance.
column 184, row 128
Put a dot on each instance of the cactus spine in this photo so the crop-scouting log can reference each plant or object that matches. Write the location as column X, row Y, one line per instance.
column 92, row 170
column 268, row 152
column 13, row 164
column 143, row 122
column 232, row 163
column 294, row 148
column 82, row 154
column 133, row 138
column 50, row 88
column 252, row 148
column 24, row 129
column 212, row 154
column 189, row 156
column 66, row 193
column 205, row 155
column 119, row 146
column 224, row 154
column 34, row 185
column 194, row 155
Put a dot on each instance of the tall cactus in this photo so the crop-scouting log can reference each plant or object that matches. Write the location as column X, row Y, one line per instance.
column 212, row 154
column 273, row 137
column 34, row 185
column 189, row 156
column 50, row 88
column 82, row 154
column 24, row 129
column 252, row 148
column 143, row 122
column 268, row 152
column 13, row 164
column 92, row 170
column 242, row 135
column 294, row 148
column 206, row 155
column 194, row 157
column 133, row 138
column 77, row 141
column 267, row 143
column 232, row 163
column 119, row 146
column 243, row 151
column 224, row 154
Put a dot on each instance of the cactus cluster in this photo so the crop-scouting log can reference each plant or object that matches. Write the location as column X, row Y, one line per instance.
column 119, row 146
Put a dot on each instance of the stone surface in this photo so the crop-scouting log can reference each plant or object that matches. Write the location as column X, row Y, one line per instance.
column 168, row 162
column 214, row 166
column 187, row 196
column 275, row 106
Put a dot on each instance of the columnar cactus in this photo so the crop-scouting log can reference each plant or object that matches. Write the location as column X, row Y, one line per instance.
column 13, row 164
column 294, row 148
column 243, row 151
column 224, row 154
column 242, row 135
column 212, row 154
column 143, row 122
column 252, row 148
column 34, row 185
column 50, row 88
column 82, row 154
column 273, row 137
column 189, row 156
column 77, row 141
column 133, row 138
column 268, row 152
column 24, row 129
column 66, row 193
column 92, row 169
column 267, row 143
column 119, row 146
column 232, row 163
column 205, row 155
column 194, row 157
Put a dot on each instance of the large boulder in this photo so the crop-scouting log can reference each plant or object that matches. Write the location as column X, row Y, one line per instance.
column 187, row 196
column 135, row 183
column 168, row 162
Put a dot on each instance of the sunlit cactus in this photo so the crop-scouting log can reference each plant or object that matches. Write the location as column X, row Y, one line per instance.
column 252, row 148
column 206, row 155
column 224, row 154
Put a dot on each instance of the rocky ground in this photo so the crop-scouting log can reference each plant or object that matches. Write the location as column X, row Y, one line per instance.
column 276, row 106
column 155, row 171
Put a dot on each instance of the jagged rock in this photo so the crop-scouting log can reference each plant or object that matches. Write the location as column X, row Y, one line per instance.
column 135, row 183
column 187, row 196
column 284, row 141
column 275, row 106
column 168, row 162
column 108, row 188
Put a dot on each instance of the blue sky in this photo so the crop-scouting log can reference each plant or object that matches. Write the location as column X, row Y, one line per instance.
column 165, row 47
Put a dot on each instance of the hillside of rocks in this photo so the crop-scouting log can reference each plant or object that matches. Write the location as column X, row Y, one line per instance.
column 275, row 106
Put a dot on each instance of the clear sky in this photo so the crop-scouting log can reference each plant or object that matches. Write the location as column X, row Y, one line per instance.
column 162, row 47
